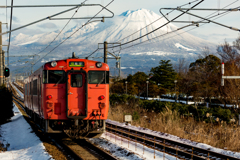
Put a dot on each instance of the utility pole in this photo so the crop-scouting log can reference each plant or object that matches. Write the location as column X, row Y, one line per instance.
column 105, row 51
column 1, row 62
column 118, row 58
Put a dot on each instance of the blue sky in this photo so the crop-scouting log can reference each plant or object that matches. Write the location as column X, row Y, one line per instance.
column 211, row 32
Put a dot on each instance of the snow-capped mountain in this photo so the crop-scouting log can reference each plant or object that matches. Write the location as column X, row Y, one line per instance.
column 123, row 28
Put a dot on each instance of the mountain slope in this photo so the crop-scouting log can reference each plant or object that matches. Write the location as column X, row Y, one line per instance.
column 171, row 46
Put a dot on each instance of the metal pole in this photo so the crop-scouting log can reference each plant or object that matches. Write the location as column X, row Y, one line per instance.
column 147, row 88
column 1, row 68
column 3, row 64
column 175, row 94
column 119, row 68
column 175, row 81
column 126, row 86
column 105, row 51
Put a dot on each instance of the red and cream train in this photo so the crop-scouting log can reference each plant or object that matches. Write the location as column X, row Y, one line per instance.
column 70, row 95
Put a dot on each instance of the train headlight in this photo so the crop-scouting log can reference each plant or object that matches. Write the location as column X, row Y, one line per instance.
column 99, row 64
column 54, row 64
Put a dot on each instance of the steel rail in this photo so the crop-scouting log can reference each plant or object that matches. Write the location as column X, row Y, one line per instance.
column 74, row 147
column 166, row 145
column 19, row 88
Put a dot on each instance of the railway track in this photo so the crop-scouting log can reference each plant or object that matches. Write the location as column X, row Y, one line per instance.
column 19, row 88
column 177, row 149
column 77, row 149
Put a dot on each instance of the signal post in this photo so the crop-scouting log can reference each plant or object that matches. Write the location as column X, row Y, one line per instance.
column 1, row 59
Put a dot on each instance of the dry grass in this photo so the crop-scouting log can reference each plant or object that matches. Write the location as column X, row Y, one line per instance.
column 220, row 136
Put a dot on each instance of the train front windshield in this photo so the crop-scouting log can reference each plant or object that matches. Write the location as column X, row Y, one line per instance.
column 50, row 76
column 98, row 77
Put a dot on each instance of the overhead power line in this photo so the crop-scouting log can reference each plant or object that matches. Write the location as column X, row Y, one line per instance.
column 155, row 21
column 220, row 15
column 75, row 31
column 9, row 39
column 146, row 26
column 61, row 30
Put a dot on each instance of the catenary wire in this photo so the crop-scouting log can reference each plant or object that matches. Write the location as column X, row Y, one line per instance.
column 160, row 26
column 155, row 21
column 142, row 29
column 60, row 31
column 226, row 12
column 74, row 32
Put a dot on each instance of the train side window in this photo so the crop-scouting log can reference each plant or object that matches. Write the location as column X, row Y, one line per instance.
column 25, row 89
column 50, row 76
column 76, row 80
column 44, row 76
column 107, row 77
column 35, row 87
column 98, row 77
column 30, row 88
column 40, row 86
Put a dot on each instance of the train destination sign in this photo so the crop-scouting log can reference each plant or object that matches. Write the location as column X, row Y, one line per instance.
column 76, row 64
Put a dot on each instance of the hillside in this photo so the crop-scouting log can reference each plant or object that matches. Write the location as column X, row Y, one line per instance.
column 172, row 46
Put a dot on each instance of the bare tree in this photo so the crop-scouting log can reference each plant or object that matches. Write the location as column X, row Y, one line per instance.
column 181, row 67
column 231, row 57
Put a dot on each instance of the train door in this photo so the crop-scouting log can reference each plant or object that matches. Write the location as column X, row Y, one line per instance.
column 31, row 89
column 76, row 94
column 39, row 95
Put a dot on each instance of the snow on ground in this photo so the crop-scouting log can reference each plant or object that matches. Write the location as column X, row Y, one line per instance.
column 185, row 102
column 19, row 92
column 24, row 144
column 119, row 147
column 167, row 100
column 155, row 53
column 175, row 138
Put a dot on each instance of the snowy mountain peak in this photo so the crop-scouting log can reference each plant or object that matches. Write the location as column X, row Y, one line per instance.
column 141, row 11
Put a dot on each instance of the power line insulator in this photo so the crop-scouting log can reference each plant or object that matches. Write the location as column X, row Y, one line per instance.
column 117, row 64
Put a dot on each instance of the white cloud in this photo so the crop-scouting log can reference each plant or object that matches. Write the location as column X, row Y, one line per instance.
column 48, row 25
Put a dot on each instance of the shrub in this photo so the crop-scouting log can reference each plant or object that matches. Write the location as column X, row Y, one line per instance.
column 198, row 113
column 6, row 104
column 135, row 116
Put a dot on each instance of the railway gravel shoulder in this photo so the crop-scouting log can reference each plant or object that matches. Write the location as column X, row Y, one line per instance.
column 50, row 146
column 171, row 147
column 62, row 147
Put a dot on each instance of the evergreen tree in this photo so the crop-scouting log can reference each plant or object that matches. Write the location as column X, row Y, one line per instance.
column 164, row 74
column 205, row 76
column 6, row 104
column 140, row 79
